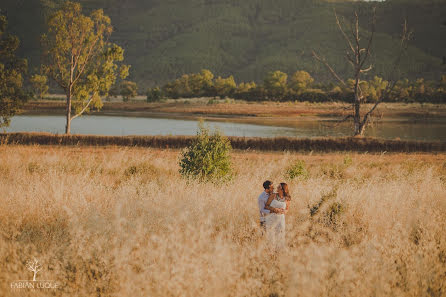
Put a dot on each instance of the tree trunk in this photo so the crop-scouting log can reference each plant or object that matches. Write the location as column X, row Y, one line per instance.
column 362, row 129
column 68, row 124
column 357, row 114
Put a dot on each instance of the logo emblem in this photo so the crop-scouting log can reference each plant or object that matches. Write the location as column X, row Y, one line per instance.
column 35, row 267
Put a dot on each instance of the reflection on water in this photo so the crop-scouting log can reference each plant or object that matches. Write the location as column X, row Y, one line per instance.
column 116, row 125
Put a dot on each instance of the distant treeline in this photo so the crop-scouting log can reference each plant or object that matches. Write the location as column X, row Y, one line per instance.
column 326, row 144
column 300, row 86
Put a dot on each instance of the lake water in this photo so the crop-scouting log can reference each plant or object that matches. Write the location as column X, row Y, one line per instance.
column 118, row 125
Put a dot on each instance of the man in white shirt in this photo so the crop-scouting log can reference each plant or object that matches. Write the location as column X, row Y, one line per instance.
column 263, row 198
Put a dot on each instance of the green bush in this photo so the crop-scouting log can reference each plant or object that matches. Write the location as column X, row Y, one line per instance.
column 207, row 158
column 154, row 94
column 348, row 161
column 297, row 170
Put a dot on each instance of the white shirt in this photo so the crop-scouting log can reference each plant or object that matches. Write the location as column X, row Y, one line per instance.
column 263, row 198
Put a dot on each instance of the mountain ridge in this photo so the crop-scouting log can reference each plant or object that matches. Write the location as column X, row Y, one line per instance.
column 165, row 39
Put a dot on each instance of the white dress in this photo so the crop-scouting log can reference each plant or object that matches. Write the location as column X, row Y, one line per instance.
column 275, row 225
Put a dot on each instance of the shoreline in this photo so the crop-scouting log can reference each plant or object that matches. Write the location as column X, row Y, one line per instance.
column 283, row 114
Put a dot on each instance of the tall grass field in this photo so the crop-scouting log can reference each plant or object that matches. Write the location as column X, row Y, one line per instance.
column 119, row 221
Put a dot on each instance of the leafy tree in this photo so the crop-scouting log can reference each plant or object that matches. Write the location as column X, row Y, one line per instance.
column 376, row 88
column 224, row 87
column 178, row 88
column 201, row 83
column 275, row 84
column 207, row 158
column 80, row 59
column 300, row 81
column 154, row 94
column 12, row 70
column 245, row 87
column 244, row 90
column 128, row 90
column 190, row 85
column 40, row 85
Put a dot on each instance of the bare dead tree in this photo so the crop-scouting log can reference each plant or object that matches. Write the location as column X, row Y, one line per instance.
column 34, row 266
column 357, row 56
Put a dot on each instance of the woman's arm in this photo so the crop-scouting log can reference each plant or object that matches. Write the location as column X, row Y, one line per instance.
column 270, row 208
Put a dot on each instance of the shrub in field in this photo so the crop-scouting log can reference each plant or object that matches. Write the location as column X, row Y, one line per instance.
column 33, row 167
column 140, row 169
column 348, row 161
column 333, row 213
column 207, row 157
column 154, row 94
column 297, row 170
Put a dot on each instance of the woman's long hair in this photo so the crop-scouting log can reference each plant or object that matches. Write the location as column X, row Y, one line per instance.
column 286, row 192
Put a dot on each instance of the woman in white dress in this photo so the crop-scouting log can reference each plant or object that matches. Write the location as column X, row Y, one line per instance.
column 278, row 204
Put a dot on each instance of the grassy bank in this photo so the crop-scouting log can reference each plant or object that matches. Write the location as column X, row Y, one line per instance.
column 122, row 222
column 242, row 143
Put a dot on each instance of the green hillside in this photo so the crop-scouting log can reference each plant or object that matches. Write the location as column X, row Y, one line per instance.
column 165, row 39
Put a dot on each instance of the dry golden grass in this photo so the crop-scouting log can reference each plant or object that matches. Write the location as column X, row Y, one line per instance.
column 321, row 144
column 122, row 222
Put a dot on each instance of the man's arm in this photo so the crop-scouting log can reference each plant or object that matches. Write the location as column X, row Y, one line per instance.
column 262, row 208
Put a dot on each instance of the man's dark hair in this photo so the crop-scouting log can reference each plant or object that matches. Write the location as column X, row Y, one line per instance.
column 266, row 184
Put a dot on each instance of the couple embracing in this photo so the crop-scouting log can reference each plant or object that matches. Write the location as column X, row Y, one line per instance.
column 273, row 207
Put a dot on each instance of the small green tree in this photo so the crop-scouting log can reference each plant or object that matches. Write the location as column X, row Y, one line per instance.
column 12, row 69
column 224, row 87
column 207, row 158
column 201, row 83
column 300, row 81
column 276, row 84
column 80, row 59
column 297, row 170
column 128, row 90
column 154, row 94
column 40, row 85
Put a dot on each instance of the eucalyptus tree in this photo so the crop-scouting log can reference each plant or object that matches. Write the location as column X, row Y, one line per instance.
column 12, row 70
column 80, row 59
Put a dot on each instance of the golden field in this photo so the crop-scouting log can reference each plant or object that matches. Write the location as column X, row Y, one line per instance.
column 122, row 222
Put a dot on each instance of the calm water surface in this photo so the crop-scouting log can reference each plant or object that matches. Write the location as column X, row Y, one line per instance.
column 118, row 125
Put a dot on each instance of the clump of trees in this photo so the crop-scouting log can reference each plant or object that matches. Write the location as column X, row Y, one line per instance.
column 300, row 86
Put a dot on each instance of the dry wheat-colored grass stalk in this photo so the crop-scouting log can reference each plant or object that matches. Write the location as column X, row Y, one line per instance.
column 122, row 222
column 320, row 144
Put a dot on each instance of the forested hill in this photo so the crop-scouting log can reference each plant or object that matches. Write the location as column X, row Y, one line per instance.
column 164, row 39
